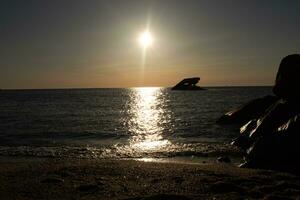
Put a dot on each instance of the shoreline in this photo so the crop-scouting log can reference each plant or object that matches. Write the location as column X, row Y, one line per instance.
column 51, row 178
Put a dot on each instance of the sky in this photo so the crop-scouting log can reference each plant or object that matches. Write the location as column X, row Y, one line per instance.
column 94, row 43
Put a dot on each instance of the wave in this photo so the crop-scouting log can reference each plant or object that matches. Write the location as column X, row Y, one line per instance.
column 119, row 151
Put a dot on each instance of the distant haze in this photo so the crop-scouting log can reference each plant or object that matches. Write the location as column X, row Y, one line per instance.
column 93, row 43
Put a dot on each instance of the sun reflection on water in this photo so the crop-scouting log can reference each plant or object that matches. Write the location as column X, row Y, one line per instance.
column 147, row 116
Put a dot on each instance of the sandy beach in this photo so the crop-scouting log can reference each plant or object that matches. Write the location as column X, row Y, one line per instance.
column 26, row 178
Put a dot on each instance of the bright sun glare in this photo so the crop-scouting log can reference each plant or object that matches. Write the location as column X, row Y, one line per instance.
column 145, row 39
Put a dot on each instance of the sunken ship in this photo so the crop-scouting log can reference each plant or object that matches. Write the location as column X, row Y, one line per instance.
column 188, row 84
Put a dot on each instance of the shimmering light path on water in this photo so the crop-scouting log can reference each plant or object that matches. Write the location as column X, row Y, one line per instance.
column 147, row 114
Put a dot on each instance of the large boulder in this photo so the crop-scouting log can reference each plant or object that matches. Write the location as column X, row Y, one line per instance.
column 268, row 123
column 279, row 150
column 287, row 80
column 252, row 110
column 271, row 125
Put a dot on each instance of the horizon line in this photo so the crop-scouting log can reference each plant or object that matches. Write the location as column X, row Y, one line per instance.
column 90, row 88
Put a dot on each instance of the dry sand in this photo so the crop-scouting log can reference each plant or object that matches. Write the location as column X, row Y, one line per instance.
column 129, row 179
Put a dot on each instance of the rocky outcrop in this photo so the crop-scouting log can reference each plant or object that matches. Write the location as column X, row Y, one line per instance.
column 251, row 110
column 277, row 150
column 188, row 84
column 287, row 78
column 270, row 131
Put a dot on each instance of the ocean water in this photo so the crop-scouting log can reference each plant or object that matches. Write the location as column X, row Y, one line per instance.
column 120, row 123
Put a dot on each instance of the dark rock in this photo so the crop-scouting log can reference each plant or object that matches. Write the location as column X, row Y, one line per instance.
column 277, row 115
column 290, row 128
column 252, row 110
column 243, row 140
column 271, row 140
column 188, row 84
column 266, row 124
column 224, row 159
column 278, row 149
column 246, row 164
column 270, row 134
column 287, row 78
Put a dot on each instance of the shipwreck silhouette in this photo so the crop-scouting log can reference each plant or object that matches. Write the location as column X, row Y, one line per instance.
column 188, row 84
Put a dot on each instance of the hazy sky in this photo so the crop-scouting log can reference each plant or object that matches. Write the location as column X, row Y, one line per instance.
column 86, row 43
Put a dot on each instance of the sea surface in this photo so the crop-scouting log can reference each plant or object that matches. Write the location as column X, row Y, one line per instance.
column 120, row 123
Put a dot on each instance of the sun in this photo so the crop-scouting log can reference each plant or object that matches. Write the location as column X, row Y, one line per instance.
column 145, row 39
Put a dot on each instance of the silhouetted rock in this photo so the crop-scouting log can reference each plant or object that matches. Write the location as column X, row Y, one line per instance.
column 188, row 84
column 268, row 123
column 279, row 149
column 243, row 141
column 287, row 78
column 290, row 128
column 270, row 134
column 251, row 110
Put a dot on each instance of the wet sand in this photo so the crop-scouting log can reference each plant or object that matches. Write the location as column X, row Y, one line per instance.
column 129, row 179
